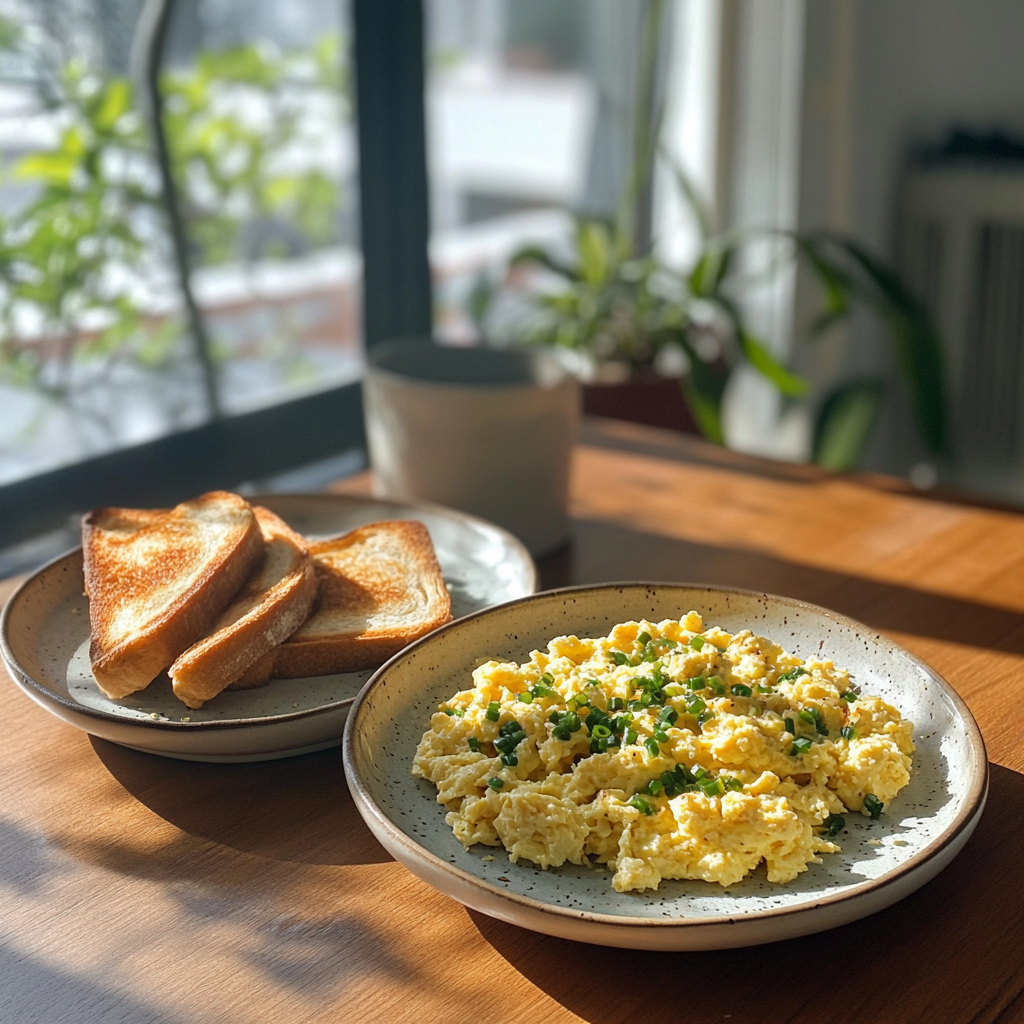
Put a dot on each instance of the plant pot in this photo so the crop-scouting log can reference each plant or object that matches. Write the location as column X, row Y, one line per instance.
column 644, row 398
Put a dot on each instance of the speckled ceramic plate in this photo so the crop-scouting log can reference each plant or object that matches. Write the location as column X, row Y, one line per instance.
column 44, row 639
column 881, row 861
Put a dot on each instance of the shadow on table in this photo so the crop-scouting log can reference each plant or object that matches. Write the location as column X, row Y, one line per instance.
column 603, row 552
column 959, row 940
column 34, row 990
column 294, row 809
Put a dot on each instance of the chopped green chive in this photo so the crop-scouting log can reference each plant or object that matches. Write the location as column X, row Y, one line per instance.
column 715, row 685
column 643, row 639
column 619, row 658
column 668, row 715
column 697, row 642
column 741, row 691
column 601, row 732
column 833, row 825
column 655, row 788
column 495, row 783
column 510, row 759
column 525, row 697
column 704, row 717
column 577, row 701
column 848, row 732
column 700, row 773
column 641, row 804
column 695, row 705
column 474, row 744
column 616, row 704
column 793, row 673
column 800, row 746
column 763, row 689
column 493, row 711
column 810, row 716
column 849, row 696
column 652, row 746
column 592, row 682
column 714, row 787
column 790, row 727
column 673, row 690
column 734, row 785
column 454, row 712
column 565, row 724
column 661, row 736
column 697, row 683
column 873, row 805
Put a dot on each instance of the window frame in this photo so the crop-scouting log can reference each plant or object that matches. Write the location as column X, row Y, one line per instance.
column 226, row 451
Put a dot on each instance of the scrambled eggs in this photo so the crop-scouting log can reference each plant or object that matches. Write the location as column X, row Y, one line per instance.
column 665, row 750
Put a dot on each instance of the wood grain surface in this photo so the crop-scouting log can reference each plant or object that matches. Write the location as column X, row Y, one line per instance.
column 140, row 889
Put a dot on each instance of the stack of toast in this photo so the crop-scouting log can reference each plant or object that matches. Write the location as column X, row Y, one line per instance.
column 223, row 594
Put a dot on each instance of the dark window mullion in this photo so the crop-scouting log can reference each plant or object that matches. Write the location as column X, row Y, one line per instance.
column 394, row 203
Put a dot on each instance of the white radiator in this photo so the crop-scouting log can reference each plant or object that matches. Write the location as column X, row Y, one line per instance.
column 961, row 247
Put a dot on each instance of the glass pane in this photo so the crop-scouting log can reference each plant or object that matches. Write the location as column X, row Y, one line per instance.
column 93, row 352
column 259, row 123
column 528, row 107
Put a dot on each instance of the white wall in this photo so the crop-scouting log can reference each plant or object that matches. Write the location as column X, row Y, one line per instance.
column 880, row 77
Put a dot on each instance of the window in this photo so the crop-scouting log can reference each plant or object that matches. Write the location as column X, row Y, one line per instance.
column 110, row 386
column 298, row 135
column 529, row 106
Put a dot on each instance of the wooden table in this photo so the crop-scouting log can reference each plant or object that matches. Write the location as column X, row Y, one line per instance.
column 141, row 889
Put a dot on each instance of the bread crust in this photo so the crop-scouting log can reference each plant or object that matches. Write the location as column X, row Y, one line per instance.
column 347, row 577
column 130, row 554
column 274, row 603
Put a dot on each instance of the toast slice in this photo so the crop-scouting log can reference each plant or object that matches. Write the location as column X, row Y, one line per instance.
column 380, row 589
column 273, row 604
column 157, row 580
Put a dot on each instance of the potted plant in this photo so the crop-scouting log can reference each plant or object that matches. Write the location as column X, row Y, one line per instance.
column 675, row 336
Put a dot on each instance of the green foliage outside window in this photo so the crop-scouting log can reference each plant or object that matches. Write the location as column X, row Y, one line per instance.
column 82, row 258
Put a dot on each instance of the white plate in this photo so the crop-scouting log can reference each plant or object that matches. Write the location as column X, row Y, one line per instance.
column 881, row 861
column 44, row 639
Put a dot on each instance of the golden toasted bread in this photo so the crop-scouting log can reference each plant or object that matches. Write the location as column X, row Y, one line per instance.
column 271, row 606
column 157, row 580
column 380, row 589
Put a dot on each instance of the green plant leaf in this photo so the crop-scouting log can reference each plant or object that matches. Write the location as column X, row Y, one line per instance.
column 10, row 34
column 844, row 423
column 834, row 281
column 593, row 242
column 52, row 168
column 789, row 384
column 710, row 271
column 116, row 102
column 688, row 190
column 479, row 301
column 537, row 254
column 703, row 388
column 919, row 350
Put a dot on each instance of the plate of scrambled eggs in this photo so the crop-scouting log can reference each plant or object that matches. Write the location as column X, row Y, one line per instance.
column 665, row 767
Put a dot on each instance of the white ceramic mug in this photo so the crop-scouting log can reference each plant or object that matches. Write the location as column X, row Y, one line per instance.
column 484, row 430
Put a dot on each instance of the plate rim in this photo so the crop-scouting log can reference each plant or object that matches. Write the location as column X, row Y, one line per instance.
column 966, row 818
column 45, row 695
